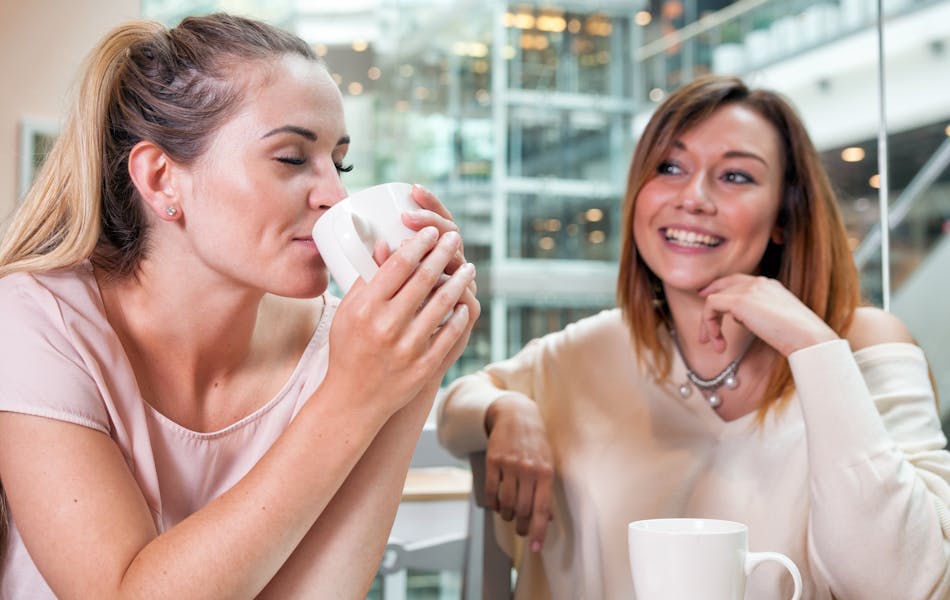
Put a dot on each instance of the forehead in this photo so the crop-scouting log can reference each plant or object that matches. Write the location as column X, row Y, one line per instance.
column 290, row 90
column 730, row 128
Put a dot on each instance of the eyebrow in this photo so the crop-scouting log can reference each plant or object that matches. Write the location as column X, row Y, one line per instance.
column 729, row 153
column 303, row 132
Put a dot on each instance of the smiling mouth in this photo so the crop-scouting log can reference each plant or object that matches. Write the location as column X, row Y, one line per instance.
column 691, row 239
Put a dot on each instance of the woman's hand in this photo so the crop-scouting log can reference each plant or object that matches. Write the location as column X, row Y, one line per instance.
column 766, row 308
column 519, row 466
column 387, row 339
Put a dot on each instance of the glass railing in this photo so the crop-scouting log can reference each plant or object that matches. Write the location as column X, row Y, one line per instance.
column 745, row 36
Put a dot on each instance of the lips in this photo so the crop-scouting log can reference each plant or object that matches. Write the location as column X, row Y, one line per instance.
column 690, row 239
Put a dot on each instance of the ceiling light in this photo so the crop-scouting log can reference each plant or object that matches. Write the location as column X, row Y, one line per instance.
column 594, row 215
column 852, row 154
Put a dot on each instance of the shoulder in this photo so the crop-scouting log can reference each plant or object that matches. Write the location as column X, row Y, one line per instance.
column 590, row 338
column 872, row 326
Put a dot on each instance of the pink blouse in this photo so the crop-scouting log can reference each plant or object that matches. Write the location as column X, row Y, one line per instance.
column 60, row 359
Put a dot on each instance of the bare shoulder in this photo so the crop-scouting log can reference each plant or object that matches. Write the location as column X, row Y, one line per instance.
column 871, row 326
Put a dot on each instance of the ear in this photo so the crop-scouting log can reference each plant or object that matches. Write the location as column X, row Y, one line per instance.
column 778, row 236
column 152, row 173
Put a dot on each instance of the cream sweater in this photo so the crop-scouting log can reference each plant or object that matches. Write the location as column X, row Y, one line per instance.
column 851, row 480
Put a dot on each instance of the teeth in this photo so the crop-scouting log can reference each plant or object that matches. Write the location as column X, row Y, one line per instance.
column 691, row 238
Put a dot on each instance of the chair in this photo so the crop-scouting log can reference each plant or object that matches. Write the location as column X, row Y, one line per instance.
column 430, row 532
column 495, row 563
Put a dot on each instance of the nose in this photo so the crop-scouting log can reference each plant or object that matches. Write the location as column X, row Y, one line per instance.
column 328, row 188
column 695, row 197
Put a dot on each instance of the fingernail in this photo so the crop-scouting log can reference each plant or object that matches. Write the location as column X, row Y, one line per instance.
column 416, row 214
column 452, row 237
column 467, row 268
column 536, row 546
column 429, row 233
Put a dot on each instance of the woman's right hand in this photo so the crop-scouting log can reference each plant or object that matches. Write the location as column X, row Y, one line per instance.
column 519, row 466
column 382, row 344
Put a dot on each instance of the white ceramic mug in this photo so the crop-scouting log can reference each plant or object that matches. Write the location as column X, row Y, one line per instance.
column 347, row 233
column 686, row 559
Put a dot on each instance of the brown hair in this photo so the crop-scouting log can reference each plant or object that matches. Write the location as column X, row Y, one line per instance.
column 174, row 87
column 814, row 261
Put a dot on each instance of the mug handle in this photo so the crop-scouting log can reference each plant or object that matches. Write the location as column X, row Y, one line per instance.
column 754, row 559
column 353, row 247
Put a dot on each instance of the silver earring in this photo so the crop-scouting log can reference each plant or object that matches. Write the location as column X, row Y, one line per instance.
column 171, row 211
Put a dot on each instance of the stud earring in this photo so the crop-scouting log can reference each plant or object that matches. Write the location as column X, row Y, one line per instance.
column 171, row 211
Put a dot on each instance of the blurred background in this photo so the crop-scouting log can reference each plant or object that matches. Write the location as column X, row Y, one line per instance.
column 522, row 117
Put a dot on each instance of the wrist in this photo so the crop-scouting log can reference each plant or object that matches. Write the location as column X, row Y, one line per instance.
column 503, row 406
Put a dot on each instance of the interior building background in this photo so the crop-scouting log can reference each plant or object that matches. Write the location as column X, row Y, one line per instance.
column 522, row 117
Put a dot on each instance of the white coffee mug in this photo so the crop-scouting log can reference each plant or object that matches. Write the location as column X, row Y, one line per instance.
column 686, row 559
column 347, row 233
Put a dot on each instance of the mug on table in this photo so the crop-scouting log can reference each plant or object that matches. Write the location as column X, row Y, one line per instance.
column 685, row 559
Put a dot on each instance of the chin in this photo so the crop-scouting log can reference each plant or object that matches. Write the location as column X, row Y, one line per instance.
column 307, row 285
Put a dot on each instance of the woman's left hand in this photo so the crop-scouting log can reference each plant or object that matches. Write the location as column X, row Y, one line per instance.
column 766, row 308
column 431, row 213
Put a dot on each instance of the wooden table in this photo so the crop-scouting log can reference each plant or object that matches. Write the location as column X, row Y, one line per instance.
column 431, row 484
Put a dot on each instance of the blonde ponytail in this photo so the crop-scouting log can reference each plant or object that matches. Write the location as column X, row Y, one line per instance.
column 58, row 223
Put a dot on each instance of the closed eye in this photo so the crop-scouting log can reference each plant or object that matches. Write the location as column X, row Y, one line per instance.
column 291, row 160
column 341, row 168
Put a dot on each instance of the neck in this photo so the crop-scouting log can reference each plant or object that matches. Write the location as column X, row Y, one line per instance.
column 198, row 330
column 686, row 313
column 731, row 392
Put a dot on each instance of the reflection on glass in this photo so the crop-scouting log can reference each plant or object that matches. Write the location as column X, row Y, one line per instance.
column 547, row 226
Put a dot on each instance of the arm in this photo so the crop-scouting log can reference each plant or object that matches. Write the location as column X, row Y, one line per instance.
column 879, row 475
column 90, row 532
column 358, row 520
column 493, row 411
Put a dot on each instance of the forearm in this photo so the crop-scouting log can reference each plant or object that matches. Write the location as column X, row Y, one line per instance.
column 346, row 543
column 878, row 479
column 461, row 417
column 236, row 544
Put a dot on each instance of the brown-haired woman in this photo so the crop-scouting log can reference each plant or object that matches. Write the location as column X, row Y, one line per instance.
column 739, row 379
column 178, row 416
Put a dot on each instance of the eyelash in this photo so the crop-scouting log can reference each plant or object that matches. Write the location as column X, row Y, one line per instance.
column 666, row 167
column 291, row 160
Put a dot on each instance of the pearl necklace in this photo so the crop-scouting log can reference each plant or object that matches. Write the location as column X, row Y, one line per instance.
column 710, row 387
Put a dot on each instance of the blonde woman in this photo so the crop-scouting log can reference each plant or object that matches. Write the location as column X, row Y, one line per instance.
column 739, row 379
column 184, row 413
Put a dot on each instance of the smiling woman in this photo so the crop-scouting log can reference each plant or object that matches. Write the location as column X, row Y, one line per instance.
column 184, row 411
column 739, row 379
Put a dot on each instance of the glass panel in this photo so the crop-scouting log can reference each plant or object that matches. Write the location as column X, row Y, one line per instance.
column 551, row 49
column 550, row 226
column 564, row 143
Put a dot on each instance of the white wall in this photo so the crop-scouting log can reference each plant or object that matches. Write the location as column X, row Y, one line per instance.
column 42, row 43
